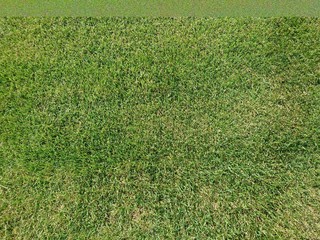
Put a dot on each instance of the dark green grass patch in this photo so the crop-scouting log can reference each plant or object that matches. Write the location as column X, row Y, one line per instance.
column 132, row 128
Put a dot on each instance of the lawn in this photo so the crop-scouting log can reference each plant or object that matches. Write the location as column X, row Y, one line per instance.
column 159, row 128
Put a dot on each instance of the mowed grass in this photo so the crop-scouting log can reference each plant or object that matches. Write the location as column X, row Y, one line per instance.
column 159, row 128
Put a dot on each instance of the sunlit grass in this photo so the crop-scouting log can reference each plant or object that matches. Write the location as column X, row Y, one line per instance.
column 130, row 128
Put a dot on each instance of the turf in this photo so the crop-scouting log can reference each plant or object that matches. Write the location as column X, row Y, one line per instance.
column 159, row 128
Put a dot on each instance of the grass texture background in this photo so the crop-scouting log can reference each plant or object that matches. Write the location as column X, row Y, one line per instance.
column 161, row 8
column 159, row 128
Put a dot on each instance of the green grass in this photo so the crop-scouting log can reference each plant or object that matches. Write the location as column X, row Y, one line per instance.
column 158, row 128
